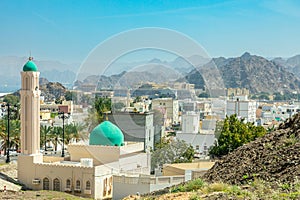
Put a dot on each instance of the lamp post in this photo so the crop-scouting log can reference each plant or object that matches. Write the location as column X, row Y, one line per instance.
column 8, row 127
column 63, row 116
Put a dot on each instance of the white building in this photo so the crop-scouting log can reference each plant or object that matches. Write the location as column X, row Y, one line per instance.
column 190, row 122
column 218, row 108
column 191, row 135
column 242, row 107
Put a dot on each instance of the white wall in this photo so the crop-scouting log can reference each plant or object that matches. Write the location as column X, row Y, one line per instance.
column 190, row 122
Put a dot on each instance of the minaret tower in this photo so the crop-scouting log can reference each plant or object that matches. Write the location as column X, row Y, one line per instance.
column 30, row 109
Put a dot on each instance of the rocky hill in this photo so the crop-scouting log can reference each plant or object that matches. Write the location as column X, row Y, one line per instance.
column 272, row 158
column 50, row 90
column 154, row 72
column 291, row 64
column 248, row 71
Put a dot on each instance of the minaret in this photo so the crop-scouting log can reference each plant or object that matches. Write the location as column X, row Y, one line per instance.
column 30, row 109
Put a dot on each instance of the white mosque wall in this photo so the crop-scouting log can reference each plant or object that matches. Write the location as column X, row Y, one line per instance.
column 131, row 147
column 131, row 185
column 136, row 163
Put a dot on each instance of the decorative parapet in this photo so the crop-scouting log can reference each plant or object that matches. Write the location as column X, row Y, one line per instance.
column 63, row 165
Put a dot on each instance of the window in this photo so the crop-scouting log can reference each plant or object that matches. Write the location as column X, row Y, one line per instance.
column 56, row 185
column 88, row 185
column 197, row 147
column 68, row 183
column 78, row 185
column 46, row 184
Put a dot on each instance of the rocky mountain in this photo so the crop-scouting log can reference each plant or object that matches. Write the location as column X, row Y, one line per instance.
column 272, row 158
column 49, row 90
column 153, row 72
column 247, row 71
column 52, row 91
column 291, row 64
column 133, row 73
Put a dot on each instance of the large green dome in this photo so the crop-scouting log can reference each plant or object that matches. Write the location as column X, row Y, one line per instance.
column 108, row 134
column 30, row 66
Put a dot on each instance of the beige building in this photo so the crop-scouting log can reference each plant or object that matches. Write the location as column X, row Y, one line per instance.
column 168, row 105
column 89, row 169
column 237, row 92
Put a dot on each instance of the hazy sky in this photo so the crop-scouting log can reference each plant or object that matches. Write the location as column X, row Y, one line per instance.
column 68, row 30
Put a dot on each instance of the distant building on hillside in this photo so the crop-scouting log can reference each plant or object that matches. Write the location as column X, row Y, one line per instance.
column 231, row 92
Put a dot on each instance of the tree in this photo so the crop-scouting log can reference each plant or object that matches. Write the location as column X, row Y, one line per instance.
column 97, row 113
column 137, row 99
column 73, row 132
column 15, row 129
column 177, row 151
column 55, row 136
column 11, row 99
column 14, row 137
column 71, row 96
column 45, row 134
column 234, row 134
column 102, row 106
column 118, row 106
column 204, row 95
column 3, row 135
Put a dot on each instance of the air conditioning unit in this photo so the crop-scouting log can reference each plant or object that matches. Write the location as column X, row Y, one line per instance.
column 77, row 190
column 87, row 191
column 36, row 181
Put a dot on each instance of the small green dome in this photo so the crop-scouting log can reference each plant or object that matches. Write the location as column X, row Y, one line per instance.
column 30, row 66
column 108, row 134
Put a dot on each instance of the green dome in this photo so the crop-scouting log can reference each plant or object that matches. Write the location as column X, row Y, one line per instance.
column 30, row 66
column 106, row 133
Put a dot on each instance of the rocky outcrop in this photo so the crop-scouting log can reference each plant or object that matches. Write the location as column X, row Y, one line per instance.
column 273, row 158
column 247, row 71
column 52, row 91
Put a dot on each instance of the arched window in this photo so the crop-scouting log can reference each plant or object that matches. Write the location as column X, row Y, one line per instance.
column 56, row 184
column 88, row 185
column 68, row 183
column 78, row 185
column 46, row 184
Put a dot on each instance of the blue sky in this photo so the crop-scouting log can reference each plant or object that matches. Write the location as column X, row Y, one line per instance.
column 68, row 30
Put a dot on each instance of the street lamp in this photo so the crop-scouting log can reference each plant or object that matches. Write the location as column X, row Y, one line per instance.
column 63, row 116
column 8, row 119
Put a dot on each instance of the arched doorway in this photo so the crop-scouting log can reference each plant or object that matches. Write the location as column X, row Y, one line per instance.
column 56, row 184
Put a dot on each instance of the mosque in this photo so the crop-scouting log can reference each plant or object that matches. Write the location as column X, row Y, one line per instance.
column 89, row 169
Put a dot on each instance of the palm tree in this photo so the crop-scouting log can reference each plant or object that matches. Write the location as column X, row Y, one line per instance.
column 3, row 135
column 14, row 134
column 73, row 131
column 55, row 136
column 45, row 131
column 14, row 138
column 98, row 111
